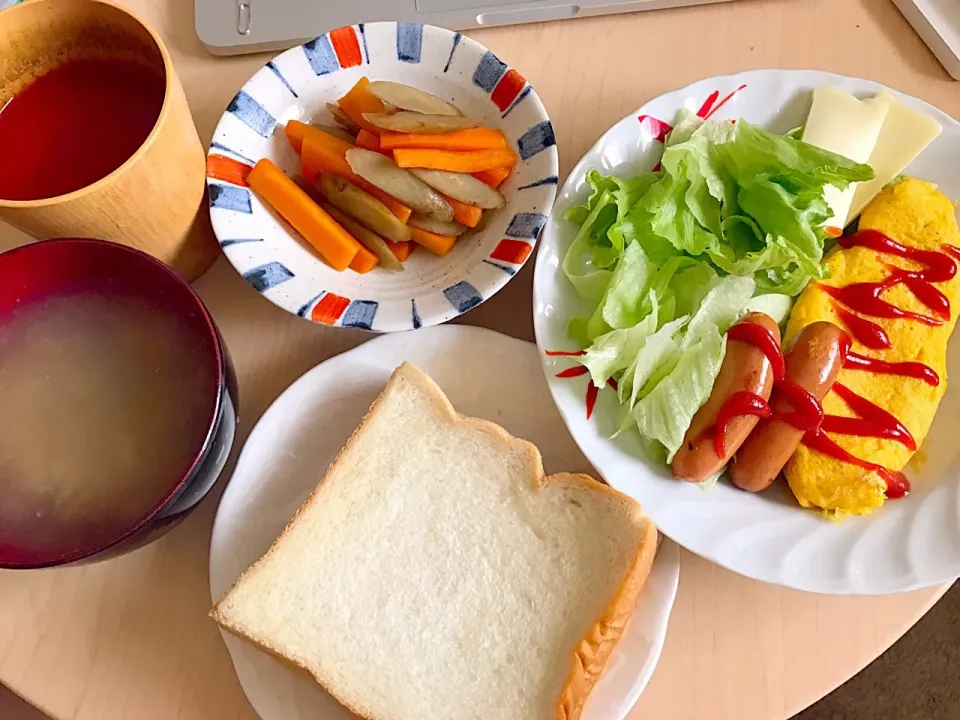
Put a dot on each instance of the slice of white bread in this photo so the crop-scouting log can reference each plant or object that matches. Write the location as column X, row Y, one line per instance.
column 436, row 573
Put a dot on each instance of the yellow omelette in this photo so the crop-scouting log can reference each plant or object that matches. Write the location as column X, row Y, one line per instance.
column 914, row 214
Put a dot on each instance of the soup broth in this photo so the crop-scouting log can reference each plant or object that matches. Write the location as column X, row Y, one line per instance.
column 104, row 404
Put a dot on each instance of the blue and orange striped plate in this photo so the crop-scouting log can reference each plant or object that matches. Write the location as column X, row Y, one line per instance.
column 296, row 85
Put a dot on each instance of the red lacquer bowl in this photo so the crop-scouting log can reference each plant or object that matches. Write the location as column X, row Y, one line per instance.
column 65, row 266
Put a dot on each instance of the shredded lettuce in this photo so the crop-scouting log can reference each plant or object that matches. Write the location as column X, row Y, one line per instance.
column 668, row 260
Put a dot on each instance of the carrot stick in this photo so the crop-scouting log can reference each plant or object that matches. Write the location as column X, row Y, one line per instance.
column 493, row 178
column 468, row 161
column 469, row 215
column 369, row 141
column 320, row 155
column 437, row 244
column 334, row 243
column 473, row 139
column 296, row 131
column 360, row 100
column 403, row 250
column 364, row 261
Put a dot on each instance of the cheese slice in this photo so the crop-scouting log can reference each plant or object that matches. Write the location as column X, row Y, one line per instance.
column 841, row 123
column 905, row 134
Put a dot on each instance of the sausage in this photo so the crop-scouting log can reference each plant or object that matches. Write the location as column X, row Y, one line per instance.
column 744, row 368
column 813, row 360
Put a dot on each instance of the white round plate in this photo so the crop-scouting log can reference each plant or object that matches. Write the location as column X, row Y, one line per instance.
column 485, row 375
column 296, row 85
column 907, row 544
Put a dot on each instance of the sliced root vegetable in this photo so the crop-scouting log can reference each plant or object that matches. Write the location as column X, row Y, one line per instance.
column 337, row 132
column 469, row 161
column 365, row 261
column 411, row 122
column 369, row 141
column 425, row 222
column 406, row 187
column 342, row 119
column 493, row 178
column 334, row 243
column 359, row 102
column 369, row 239
column 480, row 138
column 462, row 187
column 363, row 207
column 402, row 251
column 297, row 132
column 469, row 215
column 321, row 155
column 437, row 244
column 406, row 97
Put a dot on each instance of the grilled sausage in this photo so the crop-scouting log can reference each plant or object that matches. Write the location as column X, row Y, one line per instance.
column 745, row 369
column 813, row 360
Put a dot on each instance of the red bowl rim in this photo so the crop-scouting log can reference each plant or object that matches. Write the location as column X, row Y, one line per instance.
column 214, row 424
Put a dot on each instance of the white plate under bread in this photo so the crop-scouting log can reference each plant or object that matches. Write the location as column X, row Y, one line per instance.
column 509, row 629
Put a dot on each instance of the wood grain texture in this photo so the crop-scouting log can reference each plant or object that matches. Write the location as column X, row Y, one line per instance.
column 151, row 202
column 130, row 638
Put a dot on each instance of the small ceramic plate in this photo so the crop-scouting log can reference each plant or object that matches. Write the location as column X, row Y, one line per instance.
column 907, row 544
column 302, row 432
column 296, row 85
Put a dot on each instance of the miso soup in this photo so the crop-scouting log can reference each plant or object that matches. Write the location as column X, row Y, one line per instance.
column 104, row 405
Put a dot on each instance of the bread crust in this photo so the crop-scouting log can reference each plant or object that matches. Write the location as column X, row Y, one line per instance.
column 593, row 651
column 590, row 658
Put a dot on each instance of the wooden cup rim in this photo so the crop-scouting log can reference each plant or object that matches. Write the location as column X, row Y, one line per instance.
column 170, row 78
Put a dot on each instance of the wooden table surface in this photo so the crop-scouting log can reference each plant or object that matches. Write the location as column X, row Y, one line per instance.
column 130, row 638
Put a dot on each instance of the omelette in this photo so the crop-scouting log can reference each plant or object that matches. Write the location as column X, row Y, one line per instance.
column 915, row 214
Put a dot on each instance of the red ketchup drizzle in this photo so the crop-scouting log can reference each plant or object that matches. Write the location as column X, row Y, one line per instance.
column 865, row 297
column 737, row 405
column 807, row 412
column 565, row 353
column 897, row 484
column 873, row 421
column 915, row 370
column 952, row 250
column 867, row 333
column 755, row 334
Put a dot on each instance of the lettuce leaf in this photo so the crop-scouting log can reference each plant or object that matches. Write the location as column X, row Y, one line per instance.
column 664, row 414
column 731, row 221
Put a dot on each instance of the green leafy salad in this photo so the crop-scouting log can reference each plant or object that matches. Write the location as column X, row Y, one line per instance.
column 732, row 221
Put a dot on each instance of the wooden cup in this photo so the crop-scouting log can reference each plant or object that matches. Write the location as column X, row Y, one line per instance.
column 151, row 202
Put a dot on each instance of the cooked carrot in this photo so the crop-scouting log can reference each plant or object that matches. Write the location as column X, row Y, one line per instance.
column 403, row 250
column 364, row 261
column 437, row 244
column 473, row 139
column 369, row 141
column 221, row 167
column 359, row 101
column 493, row 178
column 296, row 131
column 335, row 244
column 470, row 161
column 320, row 155
column 469, row 215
